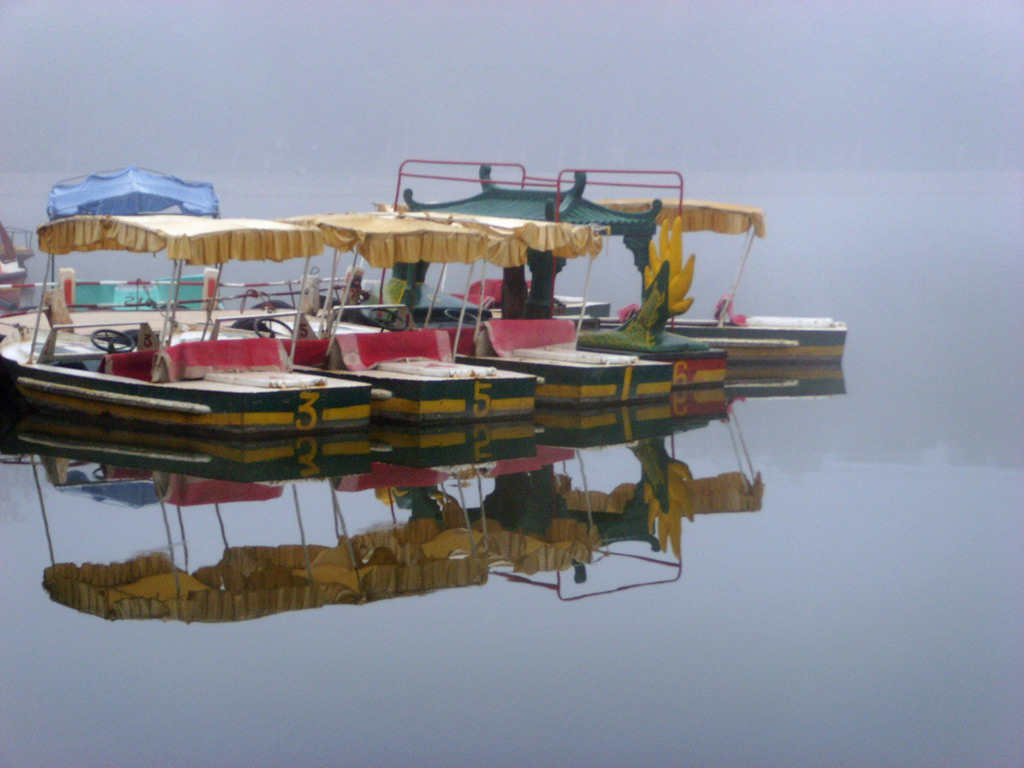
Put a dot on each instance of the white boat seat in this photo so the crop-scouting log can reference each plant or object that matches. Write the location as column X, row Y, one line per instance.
column 436, row 369
column 267, row 379
column 574, row 356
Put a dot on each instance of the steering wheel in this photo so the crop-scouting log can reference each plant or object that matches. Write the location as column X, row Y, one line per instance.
column 111, row 340
column 389, row 319
column 264, row 326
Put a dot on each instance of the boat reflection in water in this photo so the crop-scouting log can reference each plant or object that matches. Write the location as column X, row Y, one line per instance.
column 436, row 526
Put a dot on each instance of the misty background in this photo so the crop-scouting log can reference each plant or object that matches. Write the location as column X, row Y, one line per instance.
column 306, row 87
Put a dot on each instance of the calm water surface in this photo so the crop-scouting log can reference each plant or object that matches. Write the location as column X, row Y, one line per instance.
column 867, row 611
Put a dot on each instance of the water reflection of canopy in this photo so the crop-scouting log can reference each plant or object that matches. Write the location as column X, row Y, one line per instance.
column 252, row 582
column 385, row 239
column 248, row 583
column 727, row 492
column 193, row 240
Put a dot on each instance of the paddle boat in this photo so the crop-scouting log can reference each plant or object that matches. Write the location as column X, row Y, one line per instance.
column 544, row 348
column 747, row 339
column 435, row 368
column 571, row 377
column 136, row 192
column 561, row 200
column 128, row 192
column 197, row 385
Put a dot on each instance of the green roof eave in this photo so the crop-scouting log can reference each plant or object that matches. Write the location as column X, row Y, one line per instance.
column 539, row 205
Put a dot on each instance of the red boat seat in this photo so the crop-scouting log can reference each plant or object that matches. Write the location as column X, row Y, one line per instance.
column 360, row 351
column 133, row 365
column 466, row 346
column 194, row 359
column 481, row 291
column 502, row 337
column 308, row 352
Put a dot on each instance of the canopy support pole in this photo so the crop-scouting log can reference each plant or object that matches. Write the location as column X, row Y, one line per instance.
column 172, row 305
column 480, row 307
column 336, row 316
column 330, row 287
column 724, row 313
column 39, row 309
column 583, row 305
column 462, row 312
column 433, row 298
column 212, row 302
column 298, row 317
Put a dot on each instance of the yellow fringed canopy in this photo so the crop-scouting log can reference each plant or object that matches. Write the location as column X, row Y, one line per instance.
column 700, row 215
column 385, row 238
column 196, row 240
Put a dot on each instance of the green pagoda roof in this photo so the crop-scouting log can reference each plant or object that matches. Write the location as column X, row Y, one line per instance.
column 539, row 205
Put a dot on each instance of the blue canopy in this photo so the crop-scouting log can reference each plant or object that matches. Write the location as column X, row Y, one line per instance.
column 132, row 191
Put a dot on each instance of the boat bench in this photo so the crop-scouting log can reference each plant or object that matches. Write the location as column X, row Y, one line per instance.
column 466, row 343
column 541, row 340
column 138, row 365
column 195, row 359
column 133, row 365
column 504, row 337
column 362, row 351
column 309, row 353
column 425, row 352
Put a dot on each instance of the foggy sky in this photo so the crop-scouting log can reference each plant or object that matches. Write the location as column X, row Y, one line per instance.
column 314, row 86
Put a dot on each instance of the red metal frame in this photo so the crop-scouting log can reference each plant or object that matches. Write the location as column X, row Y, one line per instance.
column 402, row 173
column 557, row 586
column 633, row 185
column 538, row 181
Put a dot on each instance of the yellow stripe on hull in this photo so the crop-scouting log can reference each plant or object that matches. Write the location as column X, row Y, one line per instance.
column 602, row 391
column 242, row 420
column 406, row 407
column 572, row 392
column 654, row 388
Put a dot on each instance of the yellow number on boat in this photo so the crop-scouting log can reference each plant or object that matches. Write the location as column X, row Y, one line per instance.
column 482, row 406
column 481, row 439
column 306, row 449
column 306, row 417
